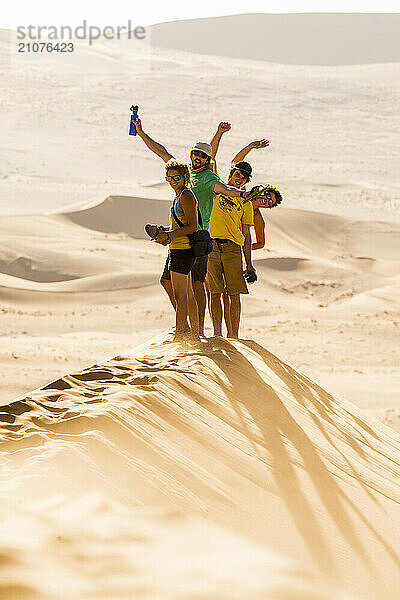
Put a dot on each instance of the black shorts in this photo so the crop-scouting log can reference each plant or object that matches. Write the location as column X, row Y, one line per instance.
column 199, row 269
column 179, row 261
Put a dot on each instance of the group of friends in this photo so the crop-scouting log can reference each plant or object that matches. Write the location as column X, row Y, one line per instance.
column 203, row 201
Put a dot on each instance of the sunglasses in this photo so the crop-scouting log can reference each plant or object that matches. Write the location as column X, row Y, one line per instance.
column 173, row 177
column 199, row 153
column 267, row 200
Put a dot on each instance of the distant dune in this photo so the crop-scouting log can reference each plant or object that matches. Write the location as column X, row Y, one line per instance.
column 122, row 214
column 301, row 39
column 95, row 269
column 99, row 244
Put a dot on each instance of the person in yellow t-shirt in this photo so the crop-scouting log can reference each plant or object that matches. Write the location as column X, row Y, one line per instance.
column 259, row 223
column 230, row 222
column 176, row 275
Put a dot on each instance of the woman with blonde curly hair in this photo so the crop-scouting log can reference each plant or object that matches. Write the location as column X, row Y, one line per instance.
column 176, row 279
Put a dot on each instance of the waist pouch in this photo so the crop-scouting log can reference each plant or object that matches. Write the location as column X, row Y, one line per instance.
column 200, row 240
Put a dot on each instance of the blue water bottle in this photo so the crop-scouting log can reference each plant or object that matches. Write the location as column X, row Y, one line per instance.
column 134, row 119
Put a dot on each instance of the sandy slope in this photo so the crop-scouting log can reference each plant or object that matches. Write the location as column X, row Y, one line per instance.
column 176, row 443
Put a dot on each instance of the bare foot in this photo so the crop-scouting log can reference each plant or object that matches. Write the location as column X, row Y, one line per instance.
column 179, row 337
column 194, row 339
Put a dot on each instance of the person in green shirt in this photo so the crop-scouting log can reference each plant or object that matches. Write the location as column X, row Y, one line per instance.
column 205, row 185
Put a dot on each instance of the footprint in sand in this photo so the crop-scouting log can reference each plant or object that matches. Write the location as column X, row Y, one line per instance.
column 99, row 375
column 122, row 375
column 7, row 418
column 59, row 384
column 9, row 413
column 145, row 380
column 53, row 397
column 124, row 378
column 154, row 365
column 16, row 408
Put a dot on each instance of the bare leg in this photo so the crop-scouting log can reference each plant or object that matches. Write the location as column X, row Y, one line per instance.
column 227, row 313
column 235, row 314
column 167, row 285
column 208, row 299
column 200, row 295
column 216, row 313
column 193, row 310
column 180, row 287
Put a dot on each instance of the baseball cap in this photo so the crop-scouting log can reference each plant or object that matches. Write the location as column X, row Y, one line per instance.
column 245, row 167
column 203, row 147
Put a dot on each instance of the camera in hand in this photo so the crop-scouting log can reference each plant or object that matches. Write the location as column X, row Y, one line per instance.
column 250, row 276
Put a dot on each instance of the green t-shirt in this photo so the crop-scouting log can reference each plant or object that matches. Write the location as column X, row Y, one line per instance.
column 203, row 188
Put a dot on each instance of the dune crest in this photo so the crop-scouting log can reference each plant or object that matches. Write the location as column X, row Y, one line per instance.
column 296, row 38
column 229, row 434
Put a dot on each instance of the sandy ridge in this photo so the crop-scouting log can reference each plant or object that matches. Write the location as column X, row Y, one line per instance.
column 204, row 430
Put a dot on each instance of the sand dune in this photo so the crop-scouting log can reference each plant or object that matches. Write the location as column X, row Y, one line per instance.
column 100, row 243
column 75, row 148
column 97, row 248
column 83, row 273
column 122, row 214
column 301, row 39
column 220, row 473
column 228, row 434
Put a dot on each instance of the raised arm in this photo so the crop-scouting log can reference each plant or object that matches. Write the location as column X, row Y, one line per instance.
column 229, row 190
column 257, row 144
column 259, row 230
column 222, row 128
column 152, row 145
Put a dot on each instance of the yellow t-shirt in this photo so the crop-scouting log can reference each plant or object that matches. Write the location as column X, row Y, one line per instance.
column 181, row 242
column 227, row 217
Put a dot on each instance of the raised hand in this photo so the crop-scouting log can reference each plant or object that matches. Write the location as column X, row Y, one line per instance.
column 257, row 144
column 138, row 125
column 224, row 126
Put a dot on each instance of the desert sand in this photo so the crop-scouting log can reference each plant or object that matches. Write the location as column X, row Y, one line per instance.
column 220, row 472
column 264, row 468
column 292, row 38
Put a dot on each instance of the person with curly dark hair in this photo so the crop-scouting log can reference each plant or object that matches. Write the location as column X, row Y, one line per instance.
column 261, row 202
column 240, row 174
column 259, row 222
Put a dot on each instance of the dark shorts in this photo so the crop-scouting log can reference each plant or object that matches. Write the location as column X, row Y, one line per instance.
column 179, row 261
column 198, row 267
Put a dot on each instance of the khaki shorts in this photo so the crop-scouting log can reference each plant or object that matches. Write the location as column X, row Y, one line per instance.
column 225, row 269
